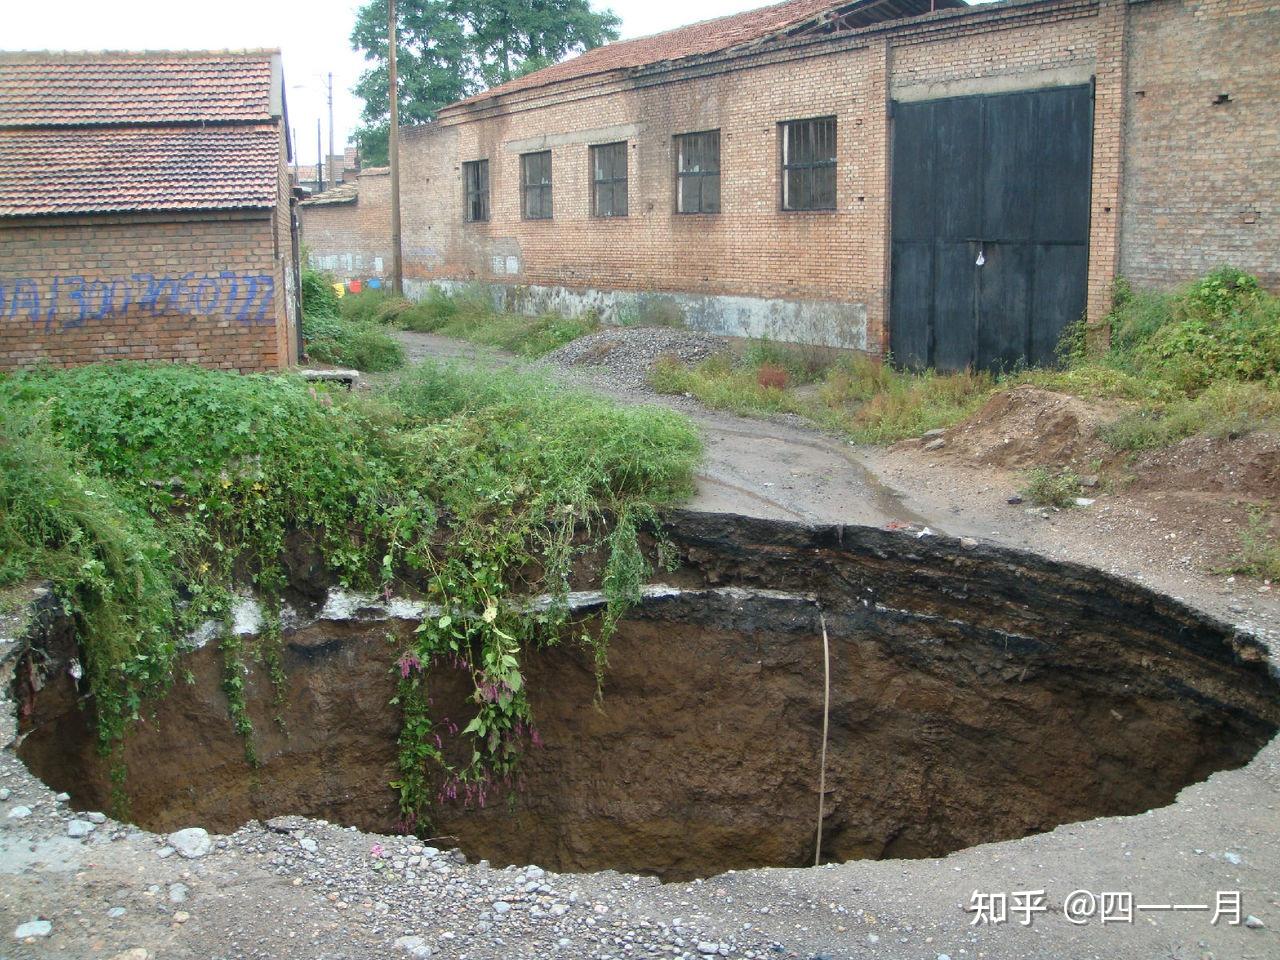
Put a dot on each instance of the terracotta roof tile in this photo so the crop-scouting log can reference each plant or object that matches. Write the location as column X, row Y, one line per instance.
column 158, row 168
column 706, row 37
column 69, row 89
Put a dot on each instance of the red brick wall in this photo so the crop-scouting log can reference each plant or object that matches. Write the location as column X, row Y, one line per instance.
column 1178, row 184
column 352, row 240
column 205, row 289
column 1202, row 179
column 752, row 248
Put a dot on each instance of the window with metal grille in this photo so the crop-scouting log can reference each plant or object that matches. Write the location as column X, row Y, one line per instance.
column 809, row 164
column 609, row 180
column 698, row 172
column 535, row 182
column 475, row 173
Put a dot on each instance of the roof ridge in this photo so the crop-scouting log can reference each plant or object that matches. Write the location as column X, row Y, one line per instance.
column 38, row 55
column 701, row 38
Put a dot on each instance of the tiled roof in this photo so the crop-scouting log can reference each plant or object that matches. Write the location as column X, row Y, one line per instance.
column 91, row 170
column 80, row 89
column 706, row 37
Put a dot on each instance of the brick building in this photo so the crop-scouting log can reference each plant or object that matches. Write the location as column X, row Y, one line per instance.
column 347, row 229
column 146, row 210
column 952, row 183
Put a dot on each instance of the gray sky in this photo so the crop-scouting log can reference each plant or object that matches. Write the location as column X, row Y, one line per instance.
column 313, row 36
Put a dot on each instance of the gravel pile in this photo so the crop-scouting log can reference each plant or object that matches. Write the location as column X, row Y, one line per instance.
column 626, row 354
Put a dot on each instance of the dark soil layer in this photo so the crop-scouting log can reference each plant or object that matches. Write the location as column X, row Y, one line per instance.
column 978, row 694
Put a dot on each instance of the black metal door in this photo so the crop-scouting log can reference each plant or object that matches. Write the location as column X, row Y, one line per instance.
column 990, row 222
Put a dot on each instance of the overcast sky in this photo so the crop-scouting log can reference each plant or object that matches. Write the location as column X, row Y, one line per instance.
column 313, row 36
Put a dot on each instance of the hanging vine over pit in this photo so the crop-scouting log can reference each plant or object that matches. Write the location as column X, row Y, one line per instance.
column 151, row 494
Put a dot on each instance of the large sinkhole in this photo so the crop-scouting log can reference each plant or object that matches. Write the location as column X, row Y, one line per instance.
column 977, row 694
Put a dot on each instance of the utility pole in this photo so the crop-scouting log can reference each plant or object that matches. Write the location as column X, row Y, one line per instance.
column 333, row 172
column 319, row 160
column 393, row 151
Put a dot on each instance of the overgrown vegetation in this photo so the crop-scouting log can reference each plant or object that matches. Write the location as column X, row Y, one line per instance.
column 333, row 337
column 1203, row 360
column 471, row 315
column 1052, row 488
column 133, row 487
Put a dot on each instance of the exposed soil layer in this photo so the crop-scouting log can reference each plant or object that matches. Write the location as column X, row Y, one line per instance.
column 977, row 694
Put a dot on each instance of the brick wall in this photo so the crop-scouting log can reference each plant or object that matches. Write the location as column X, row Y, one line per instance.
column 352, row 240
column 752, row 248
column 1178, row 184
column 206, row 289
column 1202, row 179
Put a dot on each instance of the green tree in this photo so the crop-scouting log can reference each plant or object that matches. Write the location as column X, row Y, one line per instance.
column 450, row 49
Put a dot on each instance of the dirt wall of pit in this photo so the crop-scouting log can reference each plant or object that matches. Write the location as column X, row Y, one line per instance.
column 977, row 694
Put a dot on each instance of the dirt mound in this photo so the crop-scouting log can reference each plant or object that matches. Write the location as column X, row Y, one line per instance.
column 627, row 354
column 1028, row 427
column 1246, row 467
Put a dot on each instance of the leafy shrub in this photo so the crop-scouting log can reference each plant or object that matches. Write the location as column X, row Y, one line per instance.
column 191, row 480
column 1052, row 488
column 319, row 299
column 351, row 343
column 1223, row 327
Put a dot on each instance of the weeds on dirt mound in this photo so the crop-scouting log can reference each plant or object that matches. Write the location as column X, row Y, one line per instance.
column 132, row 485
column 341, row 335
column 1052, row 488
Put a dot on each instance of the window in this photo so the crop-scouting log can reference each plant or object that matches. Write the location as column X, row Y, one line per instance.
column 475, row 174
column 535, row 182
column 809, row 164
column 698, row 172
column 609, row 180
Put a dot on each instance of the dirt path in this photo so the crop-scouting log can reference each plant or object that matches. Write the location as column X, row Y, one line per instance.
column 780, row 468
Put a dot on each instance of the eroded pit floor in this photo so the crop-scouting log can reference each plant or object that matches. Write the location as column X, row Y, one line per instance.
column 977, row 694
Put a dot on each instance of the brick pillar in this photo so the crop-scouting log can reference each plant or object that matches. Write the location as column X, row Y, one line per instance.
column 1108, row 159
column 877, row 132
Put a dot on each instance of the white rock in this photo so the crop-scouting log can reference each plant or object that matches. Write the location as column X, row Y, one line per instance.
column 96, row 817
column 19, row 813
column 501, row 906
column 414, row 946
column 137, row 953
column 708, row 948
column 559, row 909
column 33, row 928
column 115, row 913
column 178, row 892
column 1253, row 923
column 191, row 843
column 1230, row 857
column 5, row 793
column 80, row 828
column 164, row 853
column 309, row 845
column 63, row 797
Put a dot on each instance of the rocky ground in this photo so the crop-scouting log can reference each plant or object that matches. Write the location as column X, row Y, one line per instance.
column 75, row 884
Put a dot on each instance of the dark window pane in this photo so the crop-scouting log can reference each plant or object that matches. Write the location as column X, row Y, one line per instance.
column 809, row 164
column 609, row 180
column 535, row 183
column 476, row 177
column 698, row 172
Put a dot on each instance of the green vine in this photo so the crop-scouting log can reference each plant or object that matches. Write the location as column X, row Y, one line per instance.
column 151, row 495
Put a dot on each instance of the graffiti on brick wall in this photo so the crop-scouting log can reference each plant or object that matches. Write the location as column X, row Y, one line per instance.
column 67, row 302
